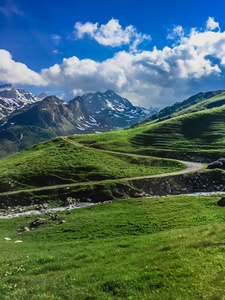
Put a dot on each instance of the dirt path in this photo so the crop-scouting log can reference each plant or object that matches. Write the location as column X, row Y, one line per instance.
column 191, row 166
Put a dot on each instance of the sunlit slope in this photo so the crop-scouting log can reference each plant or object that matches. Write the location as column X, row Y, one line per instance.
column 195, row 103
column 198, row 134
column 60, row 162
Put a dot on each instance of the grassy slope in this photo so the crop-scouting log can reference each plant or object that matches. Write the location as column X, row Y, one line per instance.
column 57, row 162
column 192, row 104
column 216, row 101
column 159, row 248
column 200, row 134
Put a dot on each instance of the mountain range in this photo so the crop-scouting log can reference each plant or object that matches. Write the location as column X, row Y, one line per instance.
column 26, row 119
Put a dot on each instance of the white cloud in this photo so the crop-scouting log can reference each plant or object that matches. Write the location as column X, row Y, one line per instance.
column 211, row 24
column 111, row 34
column 56, row 51
column 15, row 72
column 87, row 28
column 177, row 31
column 156, row 77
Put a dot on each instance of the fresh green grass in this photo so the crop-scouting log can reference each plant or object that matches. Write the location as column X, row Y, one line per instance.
column 147, row 248
column 59, row 162
column 200, row 134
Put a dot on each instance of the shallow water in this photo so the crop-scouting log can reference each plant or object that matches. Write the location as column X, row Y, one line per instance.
column 86, row 204
column 44, row 211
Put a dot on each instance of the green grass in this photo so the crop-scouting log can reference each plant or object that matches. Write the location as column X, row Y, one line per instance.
column 200, row 134
column 147, row 248
column 59, row 162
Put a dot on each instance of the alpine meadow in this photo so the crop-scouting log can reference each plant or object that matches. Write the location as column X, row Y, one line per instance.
column 112, row 150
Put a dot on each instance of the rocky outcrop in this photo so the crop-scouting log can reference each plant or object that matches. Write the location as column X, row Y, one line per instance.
column 182, row 184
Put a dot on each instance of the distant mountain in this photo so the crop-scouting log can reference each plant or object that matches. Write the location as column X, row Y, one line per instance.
column 44, row 120
column 42, row 96
column 114, row 111
column 13, row 98
column 26, row 119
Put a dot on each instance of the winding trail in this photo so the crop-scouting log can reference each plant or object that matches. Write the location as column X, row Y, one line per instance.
column 191, row 167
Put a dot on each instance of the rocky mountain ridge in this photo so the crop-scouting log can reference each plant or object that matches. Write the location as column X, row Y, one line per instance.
column 113, row 110
column 13, row 98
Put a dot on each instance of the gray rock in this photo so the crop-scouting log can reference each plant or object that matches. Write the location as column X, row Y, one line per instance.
column 36, row 223
column 221, row 202
column 70, row 201
column 62, row 221
column 22, row 229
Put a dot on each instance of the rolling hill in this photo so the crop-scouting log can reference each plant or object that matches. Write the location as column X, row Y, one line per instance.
column 196, row 132
column 60, row 162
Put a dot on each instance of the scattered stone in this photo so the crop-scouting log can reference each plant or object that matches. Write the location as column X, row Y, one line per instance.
column 22, row 229
column 42, row 206
column 221, row 202
column 68, row 213
column 62, row 221
column 54, row 217
column 19, row 241
column 36, row 223
column 70, row 201
column 7, row 239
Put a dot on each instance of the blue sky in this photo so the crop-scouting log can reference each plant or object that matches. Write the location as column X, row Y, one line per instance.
column 152, row 52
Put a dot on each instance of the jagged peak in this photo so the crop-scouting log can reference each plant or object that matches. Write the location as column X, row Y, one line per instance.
column 109, row 92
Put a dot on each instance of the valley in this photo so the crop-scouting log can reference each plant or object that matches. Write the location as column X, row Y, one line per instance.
column 146, row 237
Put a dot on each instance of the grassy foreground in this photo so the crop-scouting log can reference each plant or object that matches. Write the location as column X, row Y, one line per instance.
column 146, row 248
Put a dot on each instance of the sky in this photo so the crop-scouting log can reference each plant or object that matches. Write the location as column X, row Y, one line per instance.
column 153, row 52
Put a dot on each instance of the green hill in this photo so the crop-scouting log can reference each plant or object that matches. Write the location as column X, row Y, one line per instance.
column 192, row 104
column 198, row 134
column 60, row 162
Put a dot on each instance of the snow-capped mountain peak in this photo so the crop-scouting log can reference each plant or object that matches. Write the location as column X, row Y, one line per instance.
column 114, row 110
column 12, row 98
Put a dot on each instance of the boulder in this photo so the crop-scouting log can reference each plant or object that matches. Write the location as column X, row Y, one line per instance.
column 70, row 201
column 24, row 228
column 62, row 221
column 36, row 223
column 7, row 239
column 221, row 202
column 54, row 217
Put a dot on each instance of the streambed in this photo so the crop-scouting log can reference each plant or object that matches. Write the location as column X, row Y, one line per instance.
column 14, row 214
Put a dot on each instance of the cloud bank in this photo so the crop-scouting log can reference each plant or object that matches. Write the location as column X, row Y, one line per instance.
column 149, row 78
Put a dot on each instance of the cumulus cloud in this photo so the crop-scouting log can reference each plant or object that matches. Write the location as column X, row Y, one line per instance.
column 111, row 34
column 156, row 77
column 15, row 72
column 211, row 24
